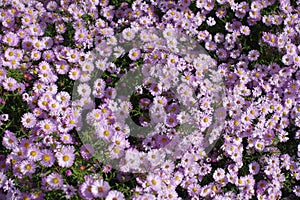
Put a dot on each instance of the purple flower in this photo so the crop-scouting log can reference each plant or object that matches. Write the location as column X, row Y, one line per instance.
column 115, row 195
column 9, row 141
column 28, row 120
column 100, row 188
column 107, row 168
column 48, row 56
column 128, row 34
column 47, row 158
column 296, row 190
column 85, row 189
column 3, row 179
column 65, row 156
column 171, row 120
column 27, row 167
column 144, row 103
column 69, row 191
column 10, row 84
column 47, row 126
column 254, row 168
column 253, row 55
column 33, row 153
column 54, row 180
column 87, row 151
column 134, row 54
column 11, row 39
column 51, row 5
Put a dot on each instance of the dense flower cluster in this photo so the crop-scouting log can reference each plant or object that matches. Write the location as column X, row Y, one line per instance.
column 46, row 47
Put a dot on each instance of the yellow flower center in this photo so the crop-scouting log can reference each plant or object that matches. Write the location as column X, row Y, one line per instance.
column 106, row 133
column 33, row 153
column 65, row 158
column 28, row 167
column 55, row 180
column 154, row 182
column 47, row 126
column 46, row 158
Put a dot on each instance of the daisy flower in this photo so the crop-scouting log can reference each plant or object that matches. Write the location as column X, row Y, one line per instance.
column 65, row 157
column 35, row 55
column 33, row 153
column 66, row 138
column 219, row 174
column 155, row 157
column 52, row 89
column 296, row 190
column 54, row 180
column 10, row 53
column 84, row 189
column 253, row 55
column 27, row 167
column 10, row 84
column 169, row 33
column 69, row 191
column 119, row 140
column 62, row 67
column 47, row 126
column 128, row 34
column 204, row 121
column 84, row 90
column 37, row 44
column 115, row 195
column 48, row 55
column 104, row 132
column 9, row 185
column 107, row 168
column 101, row 64
column 36, row 30
column 259, row 145
column 245, row 30
column 9, row 141
column 100, row 188
column 60, row 28
column 171, row 120
column 28, row 120
column 87, row 67
column 74, row 73
column 73, row 56
column 3, row 179
column 63, row 97
column 87, row 151
column 47, row 158
column 11, row 39
column 27, row 20
column 154, row 181
column 211, row 21
column 4, row 117
column 51, row 6
column 48, row 42
column 134, row 54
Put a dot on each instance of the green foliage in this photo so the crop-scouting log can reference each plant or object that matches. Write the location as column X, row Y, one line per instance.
column 69, row 35
column 16, row 74
column 50, row 30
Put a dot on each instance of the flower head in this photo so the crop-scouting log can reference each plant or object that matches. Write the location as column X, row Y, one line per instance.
column 65, row 156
